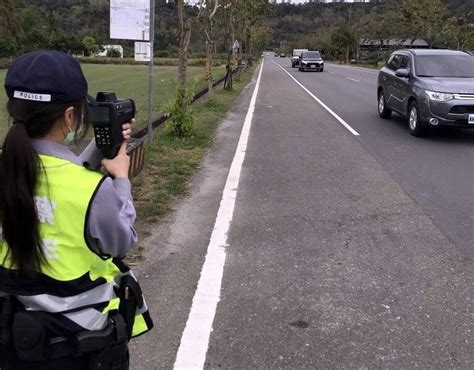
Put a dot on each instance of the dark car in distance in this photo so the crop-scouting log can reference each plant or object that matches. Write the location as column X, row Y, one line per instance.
column 431, row 88
column 311, row 60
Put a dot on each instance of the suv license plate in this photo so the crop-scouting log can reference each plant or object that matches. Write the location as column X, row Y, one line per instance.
column 471, row 119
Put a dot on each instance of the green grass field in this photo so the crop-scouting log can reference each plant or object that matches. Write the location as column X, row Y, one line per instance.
column 170, row 162
column 129, row 81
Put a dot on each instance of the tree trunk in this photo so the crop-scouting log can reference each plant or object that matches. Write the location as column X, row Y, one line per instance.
column 228, row 67
column 248, row 49
column 207, row 11
column 184, row 39
column 209, row 52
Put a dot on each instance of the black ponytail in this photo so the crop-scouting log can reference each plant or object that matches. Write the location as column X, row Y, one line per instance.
column 19, row 171
column 18, row 174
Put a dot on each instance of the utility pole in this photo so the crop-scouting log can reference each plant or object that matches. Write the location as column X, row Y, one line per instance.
column 150, row 70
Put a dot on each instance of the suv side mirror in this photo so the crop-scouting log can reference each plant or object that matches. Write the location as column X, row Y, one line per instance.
column 402, row 72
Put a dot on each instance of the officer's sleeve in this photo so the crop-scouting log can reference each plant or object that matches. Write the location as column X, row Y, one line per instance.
column 111, row 218
column 91, row 157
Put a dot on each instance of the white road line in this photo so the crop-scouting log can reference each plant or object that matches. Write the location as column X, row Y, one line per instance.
column 344, row 123
column 352, row 79
column 195, row 339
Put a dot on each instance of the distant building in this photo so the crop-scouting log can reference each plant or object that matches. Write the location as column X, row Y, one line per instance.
column 378, row 49
column 339, row 1
column 106, row 48
column 322, row 1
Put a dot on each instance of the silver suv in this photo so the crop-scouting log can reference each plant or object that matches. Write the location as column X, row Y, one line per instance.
column 429, row 87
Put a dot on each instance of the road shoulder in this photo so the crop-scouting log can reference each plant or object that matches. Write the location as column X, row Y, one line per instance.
column 175, row 249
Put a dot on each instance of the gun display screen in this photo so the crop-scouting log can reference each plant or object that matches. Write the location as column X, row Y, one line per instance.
column 100, row 115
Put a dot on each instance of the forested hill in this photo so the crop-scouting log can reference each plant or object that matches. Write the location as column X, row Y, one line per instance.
column 63, row 24
column 78, row 25
column 337, row 28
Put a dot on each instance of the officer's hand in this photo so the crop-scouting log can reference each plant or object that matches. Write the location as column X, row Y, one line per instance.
column 127, row 129
column 118, row 166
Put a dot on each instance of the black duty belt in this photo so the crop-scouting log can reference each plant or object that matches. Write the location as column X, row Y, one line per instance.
column 31, row 345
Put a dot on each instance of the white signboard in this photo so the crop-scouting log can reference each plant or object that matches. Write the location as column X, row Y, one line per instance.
column 142, row 51
column 130, row 19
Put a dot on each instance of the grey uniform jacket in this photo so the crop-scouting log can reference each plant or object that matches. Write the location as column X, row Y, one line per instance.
column 112, row 214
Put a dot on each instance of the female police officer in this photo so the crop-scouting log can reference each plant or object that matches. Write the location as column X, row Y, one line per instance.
column 66, row 299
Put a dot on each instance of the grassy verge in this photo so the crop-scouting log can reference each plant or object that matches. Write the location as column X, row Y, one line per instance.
column 171, row 162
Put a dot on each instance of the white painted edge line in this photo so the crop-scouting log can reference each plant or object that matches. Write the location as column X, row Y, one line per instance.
column 331, row 112
column 195, row 339
column 352, row 79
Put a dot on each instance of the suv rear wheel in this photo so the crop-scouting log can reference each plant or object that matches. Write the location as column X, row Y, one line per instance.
column 384, row 112
column 415, row 125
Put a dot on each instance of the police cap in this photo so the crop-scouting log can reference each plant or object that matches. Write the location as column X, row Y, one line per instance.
column 46, row 76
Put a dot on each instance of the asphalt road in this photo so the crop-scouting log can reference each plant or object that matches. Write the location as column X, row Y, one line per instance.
column 437, row 172
column 343, row 252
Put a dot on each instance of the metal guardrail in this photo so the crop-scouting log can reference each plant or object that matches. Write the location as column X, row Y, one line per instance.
column 136, row 145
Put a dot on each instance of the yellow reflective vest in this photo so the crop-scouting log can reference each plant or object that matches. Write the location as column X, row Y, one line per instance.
column 76, row 282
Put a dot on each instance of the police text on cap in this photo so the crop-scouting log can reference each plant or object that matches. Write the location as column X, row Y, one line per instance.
column 31, row 96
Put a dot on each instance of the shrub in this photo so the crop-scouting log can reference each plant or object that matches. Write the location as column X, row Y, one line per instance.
column 198, row 55
column 5, row 63
column 162, row 54
column 8, row 45
column 113, row 53
column 157, row 61
column 181, row 122
column 105, row 60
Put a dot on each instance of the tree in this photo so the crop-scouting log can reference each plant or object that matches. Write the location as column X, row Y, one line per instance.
column 458, row 33
column 380, row 27
column 184, row 36
column 227, row 24
column 343, row 41
column 181, row 118
column 9, row 18
column 207, row 11
column 8, row 45
column 422, row 18
column 252, row 15
column 90, row 45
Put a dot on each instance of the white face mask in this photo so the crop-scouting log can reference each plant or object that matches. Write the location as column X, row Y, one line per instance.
column 72, row 134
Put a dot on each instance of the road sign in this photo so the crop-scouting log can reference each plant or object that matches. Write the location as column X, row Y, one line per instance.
column 142, row 51
column 236, row 47
column 130, row 19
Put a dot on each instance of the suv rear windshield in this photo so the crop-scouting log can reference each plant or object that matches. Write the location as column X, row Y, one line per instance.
column 312, row 54
column 445, row 66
